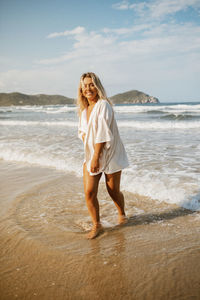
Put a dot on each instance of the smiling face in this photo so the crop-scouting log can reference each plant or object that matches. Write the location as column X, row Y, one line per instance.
column 89, row 90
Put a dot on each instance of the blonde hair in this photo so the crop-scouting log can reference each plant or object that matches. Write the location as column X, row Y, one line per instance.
column 82, row 101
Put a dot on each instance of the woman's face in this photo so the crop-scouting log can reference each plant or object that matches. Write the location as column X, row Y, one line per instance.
column 89, row 90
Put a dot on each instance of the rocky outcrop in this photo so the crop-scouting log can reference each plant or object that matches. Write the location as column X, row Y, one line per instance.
column 133, row 96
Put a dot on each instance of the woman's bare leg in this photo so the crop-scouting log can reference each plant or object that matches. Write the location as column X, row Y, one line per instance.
column 91, row 184
column 113, row 187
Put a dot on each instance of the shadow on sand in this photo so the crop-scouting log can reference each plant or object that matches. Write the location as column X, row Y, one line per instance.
column 145, row 219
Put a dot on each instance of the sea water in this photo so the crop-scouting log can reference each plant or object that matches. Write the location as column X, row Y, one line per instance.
column 162, row 142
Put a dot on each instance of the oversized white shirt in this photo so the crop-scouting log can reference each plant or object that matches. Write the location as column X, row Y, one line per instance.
column 102, row 128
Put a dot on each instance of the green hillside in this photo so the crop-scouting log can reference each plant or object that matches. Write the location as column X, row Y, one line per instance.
column 7, row 99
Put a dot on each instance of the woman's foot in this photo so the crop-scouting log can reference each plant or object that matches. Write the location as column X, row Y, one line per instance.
column 95, row 231
column 122, row 219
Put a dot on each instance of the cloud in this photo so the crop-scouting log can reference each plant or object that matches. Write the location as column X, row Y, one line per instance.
column 161, row 9
column 121, row 5
column 85, row 45
column 127, row 30
column 171, row 39
column 157, row 8
column 76, row 31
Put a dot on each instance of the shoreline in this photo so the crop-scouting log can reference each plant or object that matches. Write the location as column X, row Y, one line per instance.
column 154, row 256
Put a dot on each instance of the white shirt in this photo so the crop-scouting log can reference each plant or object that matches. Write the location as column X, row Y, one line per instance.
column 102, row 128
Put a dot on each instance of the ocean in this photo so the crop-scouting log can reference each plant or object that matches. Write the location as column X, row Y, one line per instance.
column 44, row 253
column 162, row 142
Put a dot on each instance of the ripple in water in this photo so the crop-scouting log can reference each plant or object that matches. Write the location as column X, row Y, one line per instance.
column 55, row 212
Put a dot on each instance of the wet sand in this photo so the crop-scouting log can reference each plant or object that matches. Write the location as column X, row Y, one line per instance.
column 45, row 255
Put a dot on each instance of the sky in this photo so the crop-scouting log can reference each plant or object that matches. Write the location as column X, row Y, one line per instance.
column 152, row 46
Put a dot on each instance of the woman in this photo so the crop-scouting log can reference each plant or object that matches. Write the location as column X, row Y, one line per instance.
column 104, row 151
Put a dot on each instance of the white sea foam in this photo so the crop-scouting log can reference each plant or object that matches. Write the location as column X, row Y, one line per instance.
column 38, row 123
column 181, row 188
column 40, row 108
column 52, row 110
column 144, row 125
column 67, row 163
column 164, row 108
column 149, row 125
column 32, row 108
column 162, row 188
column 133, row 109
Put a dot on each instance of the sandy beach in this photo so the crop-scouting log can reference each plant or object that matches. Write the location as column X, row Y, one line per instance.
column 45, row 255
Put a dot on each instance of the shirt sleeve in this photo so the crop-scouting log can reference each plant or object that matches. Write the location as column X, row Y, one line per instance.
column 104, row 134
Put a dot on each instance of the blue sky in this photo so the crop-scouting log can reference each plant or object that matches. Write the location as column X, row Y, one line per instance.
column 152, row 46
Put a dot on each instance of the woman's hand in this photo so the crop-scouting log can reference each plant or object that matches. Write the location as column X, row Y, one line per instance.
column 95, row 160
column 94, row 165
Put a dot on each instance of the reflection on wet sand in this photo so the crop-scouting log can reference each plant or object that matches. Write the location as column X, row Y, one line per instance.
column 44, row 253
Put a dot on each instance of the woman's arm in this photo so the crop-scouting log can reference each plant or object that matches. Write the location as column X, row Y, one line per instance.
column 95, row 160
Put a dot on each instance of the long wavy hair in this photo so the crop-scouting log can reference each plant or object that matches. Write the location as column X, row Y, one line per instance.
column 82, row 101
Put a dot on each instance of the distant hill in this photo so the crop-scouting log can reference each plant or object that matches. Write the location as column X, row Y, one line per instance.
column 133, row 96
column 7, row 99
